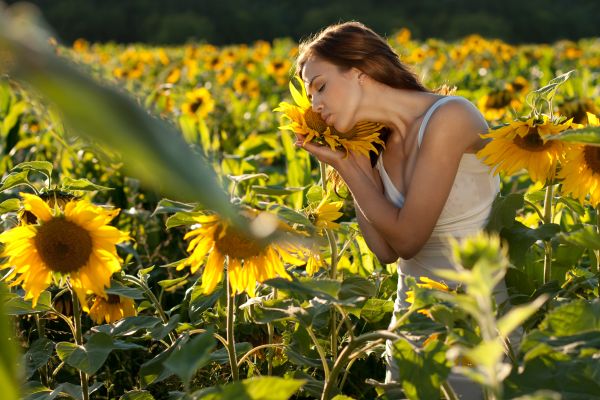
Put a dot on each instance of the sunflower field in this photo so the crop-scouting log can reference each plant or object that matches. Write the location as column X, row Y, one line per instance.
column 163, row 237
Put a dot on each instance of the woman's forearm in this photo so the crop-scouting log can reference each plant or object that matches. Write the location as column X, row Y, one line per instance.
column 376, row 242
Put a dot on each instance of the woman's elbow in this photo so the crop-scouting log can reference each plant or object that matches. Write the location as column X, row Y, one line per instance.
column 387, row 258
column 408, row 250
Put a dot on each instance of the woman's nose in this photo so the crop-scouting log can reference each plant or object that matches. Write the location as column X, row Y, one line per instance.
column 317, row 106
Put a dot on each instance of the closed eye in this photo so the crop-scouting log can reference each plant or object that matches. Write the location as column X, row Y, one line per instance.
column 321, row 88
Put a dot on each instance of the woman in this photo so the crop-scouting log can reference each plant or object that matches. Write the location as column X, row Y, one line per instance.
column 427, row 184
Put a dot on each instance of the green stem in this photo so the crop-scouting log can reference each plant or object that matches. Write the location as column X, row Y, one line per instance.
column 235, row 375
column 142, row 285
column 333, row 276
column 79, row 341
column 255, row 349
column 449, row 393
column 320, row 351
column 271, row 331
column 547, row 243
column 340, row 362
column 42, row 334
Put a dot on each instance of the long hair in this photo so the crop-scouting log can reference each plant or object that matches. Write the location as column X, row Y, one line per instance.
column 354, row 45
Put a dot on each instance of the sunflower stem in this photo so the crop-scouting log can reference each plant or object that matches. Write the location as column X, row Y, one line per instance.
column 547, row 243
column 42, row 334
column 271, row 331
column 235, row 375
column 79, row 341
column 142, row 285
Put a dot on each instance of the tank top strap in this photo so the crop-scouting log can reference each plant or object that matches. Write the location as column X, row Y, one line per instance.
column 430, row 112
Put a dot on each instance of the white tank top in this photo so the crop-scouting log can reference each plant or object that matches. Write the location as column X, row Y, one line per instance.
column 466, row 210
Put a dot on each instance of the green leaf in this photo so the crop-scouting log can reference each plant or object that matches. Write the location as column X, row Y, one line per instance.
column 504, row 210
column 517, row 315
column 12, row 118
column 275, row 190
column 315, row 194
column 153, row 371
column 173, row 283
column 166, row 206
column 14, row 179
column 375, row 310
column 356, row 286
column 38, row 355
column 9, row 375
column 37, row 391
column 290, row 215
column 590, row 135
column 129, row 325
column 189, row 355
column 10, row 205
column 43, row 167
column 81, row 184
column 90, row 357
column 17, row 306
column 586, row 237
column 183, row 218
column 412, row 363
column 137, row 395
column 575, row 317
column 246, row 177
column 257, row 388
column 221, row 355
column 307, row 288
column 125, row 291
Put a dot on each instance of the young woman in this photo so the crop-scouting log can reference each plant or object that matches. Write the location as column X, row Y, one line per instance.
column 427, row 184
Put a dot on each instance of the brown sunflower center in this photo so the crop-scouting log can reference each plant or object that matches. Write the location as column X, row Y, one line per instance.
column 314, row 121
column 235, row 244
column 532, row 141
column 113, row 299
column 499, row 99
column 63, row 246
column 591, row 155
column 196, row 104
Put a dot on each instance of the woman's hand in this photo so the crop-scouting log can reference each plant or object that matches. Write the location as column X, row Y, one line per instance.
column 338, row 159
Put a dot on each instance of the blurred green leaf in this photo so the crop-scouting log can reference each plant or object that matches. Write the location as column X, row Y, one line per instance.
column 9, row 375
column 575, row 317
column 504, row 210
column 152, row 149
column 12, row 118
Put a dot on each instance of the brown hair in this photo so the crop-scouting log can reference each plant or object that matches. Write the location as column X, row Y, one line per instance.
column 352, row 44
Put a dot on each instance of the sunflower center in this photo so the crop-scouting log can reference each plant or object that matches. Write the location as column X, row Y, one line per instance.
column 532, row 141
column 591, row 155
column 314, row 121
column 235, row 244
column 499, row 99
column 63, row 246
column 113, row 299
column 196, row 104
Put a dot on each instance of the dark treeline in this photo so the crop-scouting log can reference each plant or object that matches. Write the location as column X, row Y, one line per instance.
column 238, row 21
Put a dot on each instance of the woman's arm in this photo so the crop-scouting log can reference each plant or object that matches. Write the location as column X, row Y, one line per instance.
column 451, row 130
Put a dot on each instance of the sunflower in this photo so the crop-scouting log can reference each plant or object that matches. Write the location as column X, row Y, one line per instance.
column 111, row 309
column 579, row 109
column 199, row 103
column 580, row 172
column 522, row 144
column 305, row 121
column 54, row 198
column 325, row 213
column 243, row 84
column 248, row 260
column 76, row 243
column 426, row 283
column 496, row 104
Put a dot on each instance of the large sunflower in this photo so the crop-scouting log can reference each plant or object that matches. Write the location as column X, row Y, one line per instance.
column 76, row 243
column 111, row 309
column 305, row 121
column 248, row 260
column 580, row 171
column 522, row 144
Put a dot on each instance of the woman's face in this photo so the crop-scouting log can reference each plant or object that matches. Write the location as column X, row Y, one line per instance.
column 334, row 94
